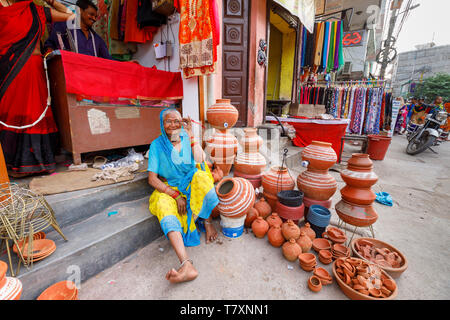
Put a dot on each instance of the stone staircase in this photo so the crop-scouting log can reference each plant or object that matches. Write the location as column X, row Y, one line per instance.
column 103, row 226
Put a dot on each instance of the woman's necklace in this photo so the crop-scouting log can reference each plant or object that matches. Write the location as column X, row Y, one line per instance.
column 192, row 12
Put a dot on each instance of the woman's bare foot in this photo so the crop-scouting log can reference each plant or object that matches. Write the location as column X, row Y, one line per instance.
column 187, row 272
column 211, row 232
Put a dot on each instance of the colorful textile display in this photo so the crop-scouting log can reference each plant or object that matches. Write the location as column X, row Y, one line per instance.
column 198, row 36
column 322, row 50
column 367, row 108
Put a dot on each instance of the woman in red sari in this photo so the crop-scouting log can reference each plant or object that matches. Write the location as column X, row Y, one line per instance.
column 27, row 131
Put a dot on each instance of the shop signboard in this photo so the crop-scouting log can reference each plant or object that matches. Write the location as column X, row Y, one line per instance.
column 396, row 105
column 354, row 38
column 332, row 6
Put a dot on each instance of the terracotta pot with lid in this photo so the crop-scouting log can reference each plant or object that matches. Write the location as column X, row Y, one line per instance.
column 290, row 230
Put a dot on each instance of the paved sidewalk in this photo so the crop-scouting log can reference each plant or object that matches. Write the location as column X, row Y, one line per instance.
column 249, row 268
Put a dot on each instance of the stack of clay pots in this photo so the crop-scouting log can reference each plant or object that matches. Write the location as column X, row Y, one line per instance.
column 222, row 146
column 274, row 180
column 236, row 199
column 307, row 261
column 249, row 163
column 10, row 288
column 316, row 183
column 63, row 290
column 355, row 208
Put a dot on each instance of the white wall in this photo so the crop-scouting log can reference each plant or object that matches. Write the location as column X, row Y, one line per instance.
column 146, row 57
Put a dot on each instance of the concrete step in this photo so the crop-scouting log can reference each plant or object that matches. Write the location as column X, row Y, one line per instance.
column 93, row 245
column 73, row 207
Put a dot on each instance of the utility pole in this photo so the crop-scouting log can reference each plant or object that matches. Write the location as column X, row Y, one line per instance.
column 389, row 53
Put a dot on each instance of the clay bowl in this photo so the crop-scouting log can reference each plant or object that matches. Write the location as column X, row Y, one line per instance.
column 325, row 261
column 336, row 235
column 307, row 259
column 325, row 254
column 323, row 275
column 355, row 295
column 40, row 248
column 394, row 272
column 321, row 244
column 37, row 236
column 63, row 290
column 314, row 284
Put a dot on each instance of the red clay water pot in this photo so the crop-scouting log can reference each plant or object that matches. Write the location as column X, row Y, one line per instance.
column 260, row 227
column 11, row 289
column 274, row 220
column 236, row 196
column 251, row 141
column 275, row 236
column 277, row 179
column 304, row 242
column 222, row 147
column 290, row 230
column 250, row 161
column 251, row 216
column 222, row 114
column 308, row 231
column 317, row 184
column 263, row 208
column 271, row 200
column 356, row 215
column 255, row 179
column 291, row 250
column 320, row 155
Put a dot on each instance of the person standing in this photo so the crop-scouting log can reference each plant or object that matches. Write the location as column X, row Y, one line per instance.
column 83, row 39
column 27, row 128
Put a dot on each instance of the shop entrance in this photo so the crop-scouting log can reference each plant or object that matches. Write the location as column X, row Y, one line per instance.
column 281, row 66
column 235, row 56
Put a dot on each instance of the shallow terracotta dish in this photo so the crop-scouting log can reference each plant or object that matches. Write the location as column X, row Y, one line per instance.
column 394, row 272
column 355, row 295
column 40, row 248
column 63, row 290
column 321, row 244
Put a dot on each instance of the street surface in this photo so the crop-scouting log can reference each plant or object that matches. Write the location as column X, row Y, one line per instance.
column 249, row 268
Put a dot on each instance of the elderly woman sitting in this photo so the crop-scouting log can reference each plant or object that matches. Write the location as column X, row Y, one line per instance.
column 184, row 189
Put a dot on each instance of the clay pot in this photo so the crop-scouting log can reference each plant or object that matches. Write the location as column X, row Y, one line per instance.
column 335, row 234
column 222, row 147
column 11, row 289
column 271, row 200
column 360, row 290
column 255, row 179
column 290, row 230
column 356, row 215
column 291, row 250
column 274, row 220
column 290, row 213
column 323, row 275
column 217, row 174
column 236, row 196
column 304, row 242
column 317, row 184
column 250, row 161
column 277, row 179
column 377, row 244
column 63, row 290
column 260, row 227
column 307, row 259
column 325, row 256
column 320, row 155
column 251, row 141
column 319, row 244
column 308, row 231
column 222, row 114
column 263, row 208
column 251, row 216
column 314, row 284
column 355, row 208
column 275, row 236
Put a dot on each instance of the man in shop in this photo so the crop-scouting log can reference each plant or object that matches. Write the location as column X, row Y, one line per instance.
column 82, row 40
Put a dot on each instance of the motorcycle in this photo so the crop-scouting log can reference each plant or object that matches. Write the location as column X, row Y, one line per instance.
column 422, row 137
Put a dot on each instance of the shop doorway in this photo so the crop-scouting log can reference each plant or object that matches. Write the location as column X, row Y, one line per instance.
column 235, row 55
column 282, row 65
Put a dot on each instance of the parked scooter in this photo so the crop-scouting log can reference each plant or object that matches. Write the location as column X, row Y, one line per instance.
column 423, row 137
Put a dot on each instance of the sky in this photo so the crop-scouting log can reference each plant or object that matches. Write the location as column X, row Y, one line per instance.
column 432, row 16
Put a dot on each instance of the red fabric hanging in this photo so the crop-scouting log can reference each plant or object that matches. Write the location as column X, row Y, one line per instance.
column 92, row 76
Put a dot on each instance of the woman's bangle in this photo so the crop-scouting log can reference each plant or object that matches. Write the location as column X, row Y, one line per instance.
column 193, row 143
